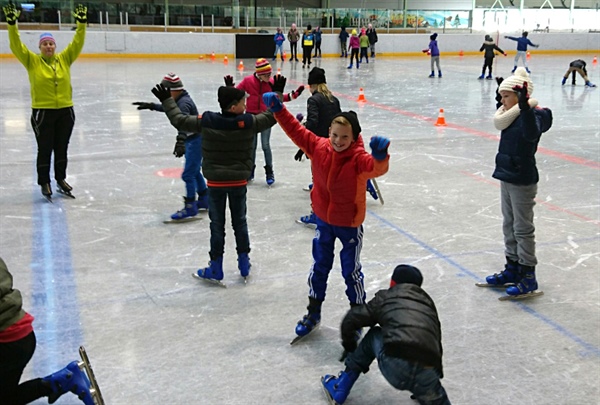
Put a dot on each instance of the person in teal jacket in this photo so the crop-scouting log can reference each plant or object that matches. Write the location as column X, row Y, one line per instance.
column 52, row 115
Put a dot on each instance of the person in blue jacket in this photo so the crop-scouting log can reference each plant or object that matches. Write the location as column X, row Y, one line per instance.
column 521, row 122
column 522, row 43
column 317, row 33
column 279, row 39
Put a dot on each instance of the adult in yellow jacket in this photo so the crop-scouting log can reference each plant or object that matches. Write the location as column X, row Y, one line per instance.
column 52, row 116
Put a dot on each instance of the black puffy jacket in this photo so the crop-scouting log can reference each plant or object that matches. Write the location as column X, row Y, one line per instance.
column 409, row 321
column 320, row 113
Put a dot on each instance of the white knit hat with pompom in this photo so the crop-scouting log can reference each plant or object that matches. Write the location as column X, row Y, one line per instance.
column 517, row 79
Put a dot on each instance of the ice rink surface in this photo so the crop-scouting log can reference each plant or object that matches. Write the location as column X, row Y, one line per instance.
column 104, row 271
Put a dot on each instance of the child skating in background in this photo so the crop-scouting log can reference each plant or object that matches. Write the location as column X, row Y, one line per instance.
column 489, row 47
column 308, row 43
column 188, row 144
column 522, row 44
column 318, row 38
column 344, row 42
column 405, row 337
column 228, row 143
column 340, row 167
column 577, row 66
column 354, row 47
column 521, row 123
column 364, row 45
column 17, row 346
column 279, row 39
column 435, row 54
column 256, row 85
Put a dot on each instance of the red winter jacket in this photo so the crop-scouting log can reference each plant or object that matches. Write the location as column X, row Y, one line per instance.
column 339, row 178
column 256, row 88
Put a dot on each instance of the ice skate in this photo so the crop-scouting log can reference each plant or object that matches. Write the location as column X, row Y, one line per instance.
column 270, row 176
column 481, row 77
column 213, row 273
column 308, row 188
column 373, row 189
column 310, row 322
column 489, row 77
column 65, row 189
column 527, row 287
column 432, row 74
column 187, row 214
column 508, row 277
column 244, row 266
column 338, row 388
column 47, row 192
column 202, row 201
column 87, row 366
column 309, row 220
column 70, row 379
column 589, row 84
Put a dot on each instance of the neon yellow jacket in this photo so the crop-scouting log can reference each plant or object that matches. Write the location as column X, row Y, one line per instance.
column 50, row 79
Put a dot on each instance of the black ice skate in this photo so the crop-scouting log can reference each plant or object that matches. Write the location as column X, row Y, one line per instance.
column 182, row 221
column 65, row 189
column 47, row 192
column 87, row 366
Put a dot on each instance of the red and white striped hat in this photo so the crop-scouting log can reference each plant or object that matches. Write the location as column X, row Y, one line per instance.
column 172, row 82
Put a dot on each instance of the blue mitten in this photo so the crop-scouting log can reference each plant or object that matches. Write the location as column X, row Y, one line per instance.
column 379, row 146
column 272, row 102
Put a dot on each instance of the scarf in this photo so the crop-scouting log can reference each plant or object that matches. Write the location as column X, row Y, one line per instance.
column 503, row 118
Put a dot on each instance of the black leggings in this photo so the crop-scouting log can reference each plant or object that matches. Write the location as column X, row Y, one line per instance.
column 317, row 48
column 306, row 53
column 293, row 50
column 354, row 54
column 52, row 130
column 487, row 64
column 14, row 356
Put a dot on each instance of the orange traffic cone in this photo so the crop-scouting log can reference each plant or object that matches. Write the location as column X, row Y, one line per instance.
column 241, row 65
column 595, row 60
column 441, row 121
column 461, row 53
column 278, row 71
column 361, row 96
column 212, row 56
column 225, row 60
column 284, row 56
column 528, row 55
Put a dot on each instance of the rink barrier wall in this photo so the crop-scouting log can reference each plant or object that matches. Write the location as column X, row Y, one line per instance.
column 201, row 45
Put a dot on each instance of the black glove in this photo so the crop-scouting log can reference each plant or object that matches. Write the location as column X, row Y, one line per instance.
column 144, row 106
column 299, row 155
column 278, row 83
column 11, row 13
column 499, row 80
column 523, row 97
column 161, row 92
column 80, row 13
column 229, row 81
column 179, row 150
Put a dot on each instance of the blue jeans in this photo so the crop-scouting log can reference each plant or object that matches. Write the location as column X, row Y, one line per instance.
column 323, row 254
column 217, row 200
column 194, row 181
column 265, row 142
column 278, row 48
column 423, row 382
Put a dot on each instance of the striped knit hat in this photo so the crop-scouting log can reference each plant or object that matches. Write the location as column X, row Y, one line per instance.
column 46, row 36
column 172, row 82
column 262, row 67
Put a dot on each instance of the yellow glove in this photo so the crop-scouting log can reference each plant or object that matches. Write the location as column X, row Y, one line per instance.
column 80, row 13
column 11, row 13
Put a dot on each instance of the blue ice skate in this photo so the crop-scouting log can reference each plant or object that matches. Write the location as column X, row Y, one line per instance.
column 338, row 388
column 72, row 379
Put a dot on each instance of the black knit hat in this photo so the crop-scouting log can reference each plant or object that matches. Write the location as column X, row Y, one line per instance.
column 406, row 273
column 353, row 119
column 316, row 76
column 433, row 36
column 229, row 96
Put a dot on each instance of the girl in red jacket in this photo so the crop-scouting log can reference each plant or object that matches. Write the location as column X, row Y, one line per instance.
column 340, row 167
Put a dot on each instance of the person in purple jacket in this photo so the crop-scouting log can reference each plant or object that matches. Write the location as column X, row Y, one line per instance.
column 522, row 43
column 435, row 54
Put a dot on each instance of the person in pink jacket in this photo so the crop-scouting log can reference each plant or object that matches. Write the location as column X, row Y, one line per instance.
column 354, row 47
column 256, row 85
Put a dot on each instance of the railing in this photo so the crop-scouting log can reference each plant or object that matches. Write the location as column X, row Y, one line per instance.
column 124, row 15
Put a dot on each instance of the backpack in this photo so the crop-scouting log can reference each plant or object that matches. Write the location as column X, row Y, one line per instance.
column 308, row 39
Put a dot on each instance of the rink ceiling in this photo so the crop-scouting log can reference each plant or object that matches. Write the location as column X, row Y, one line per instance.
column 104, row 271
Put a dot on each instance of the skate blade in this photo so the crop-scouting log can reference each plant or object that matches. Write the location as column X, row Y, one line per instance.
column 209, row 280
column 95, row 389
column 66, row 193
column 330, row 399
column 299, row 338
column 312, row 226
column 48, row 198
column 306, row 188
column 182, row 221
column 532, row 294
column 486, row 285
column 376, row 186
